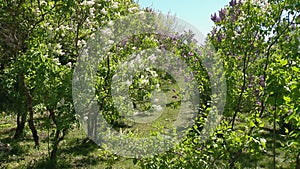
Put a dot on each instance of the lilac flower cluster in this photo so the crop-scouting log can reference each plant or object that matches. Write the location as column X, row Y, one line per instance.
column 262, row 81
column 223, row 12
column 233, row 3
column 215, row 18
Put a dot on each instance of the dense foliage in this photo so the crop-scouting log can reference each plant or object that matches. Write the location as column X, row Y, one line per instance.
column 41, row 41
column 256, row 41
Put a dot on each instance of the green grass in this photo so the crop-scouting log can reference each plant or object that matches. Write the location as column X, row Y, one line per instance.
column 76, row 151
column 163, row 121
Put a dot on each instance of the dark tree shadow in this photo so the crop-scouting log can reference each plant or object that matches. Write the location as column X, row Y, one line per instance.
column 75, row 149
column 13, row 150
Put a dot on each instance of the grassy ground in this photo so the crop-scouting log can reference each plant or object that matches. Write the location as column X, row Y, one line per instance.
column 79, row 152
column 76, row 151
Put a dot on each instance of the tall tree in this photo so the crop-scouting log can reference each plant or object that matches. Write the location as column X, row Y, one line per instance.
column 258, row 42
column 41, row 41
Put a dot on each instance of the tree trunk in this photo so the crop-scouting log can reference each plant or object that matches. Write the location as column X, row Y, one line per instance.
column 53, row 156
column 58, row 137
column 29, row 99
column 57, row 140
column 33, row 131
column 21, row 110
column 55, row 146
column 21, row 120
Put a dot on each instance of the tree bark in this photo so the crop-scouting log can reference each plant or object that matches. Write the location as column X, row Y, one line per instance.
column 21, row 109
column 58, row 137
column 21, row 120
column 55, row 146
column 29, row 100
column 33, row 131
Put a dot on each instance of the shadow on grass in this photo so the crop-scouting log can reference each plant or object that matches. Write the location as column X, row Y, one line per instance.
column 265, row 159
column 17, row 149
column 8, row 131
column 75, row 155
column 83, row 147
column 249, row 160
column 83, row 151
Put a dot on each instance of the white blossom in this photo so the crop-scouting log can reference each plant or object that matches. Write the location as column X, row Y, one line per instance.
column 92, row 10
column 131, row 10
column 58, row 50
column 37, row 11
column 103, row 11
column 85, row 118
column 110, row 23
column 107, row 32
column 69, row 64
column 141, row 12
column 68, row 27
column 157, row 86
column 46, row 56
column 156, row 100
column 81, row 42
column 44, row 3
column 153, row 73
column 115, row 5
column 89, row 3
column 110, row 42
column 152, row 57
column 144, row 81
column 56, row 60
column 138, row 59
column 131, row 65
column 128, row 82
column 58, row 46
column 157, row 107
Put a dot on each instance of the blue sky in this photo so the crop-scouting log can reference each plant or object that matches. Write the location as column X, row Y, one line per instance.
column 196, row 12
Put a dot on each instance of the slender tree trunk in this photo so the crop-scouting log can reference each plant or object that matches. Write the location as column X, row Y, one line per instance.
column 21, row 120
column 55, row 146
column 29, row 99
column 33, row 130
column 21, row 110
column 58, row 137
column 53, row 155
column 57, row 140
